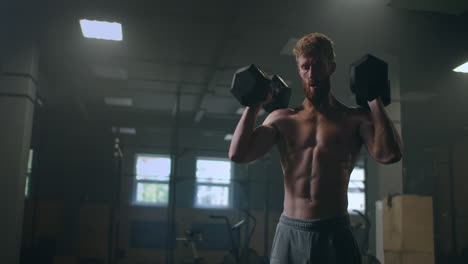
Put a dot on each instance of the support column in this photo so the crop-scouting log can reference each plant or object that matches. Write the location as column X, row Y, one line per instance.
column 18, row 84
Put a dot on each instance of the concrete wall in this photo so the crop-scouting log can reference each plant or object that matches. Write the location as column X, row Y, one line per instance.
column 445, row 169
column 18, row 84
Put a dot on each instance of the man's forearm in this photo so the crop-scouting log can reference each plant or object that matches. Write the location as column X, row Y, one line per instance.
column 387, row 142
column 244, row 129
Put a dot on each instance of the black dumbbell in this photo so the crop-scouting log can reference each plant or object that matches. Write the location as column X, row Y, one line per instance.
column 281, row 95
column 250, row 87
column 369, row 80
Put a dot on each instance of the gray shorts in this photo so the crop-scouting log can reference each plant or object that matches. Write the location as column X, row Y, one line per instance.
column 299, row 241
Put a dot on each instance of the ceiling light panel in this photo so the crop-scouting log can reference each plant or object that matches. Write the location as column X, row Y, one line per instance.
column 462, row 68
column 101, row 29
column 118, row 101
column 114, row 73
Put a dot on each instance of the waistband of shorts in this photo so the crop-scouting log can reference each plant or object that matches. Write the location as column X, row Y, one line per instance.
column 316, row 224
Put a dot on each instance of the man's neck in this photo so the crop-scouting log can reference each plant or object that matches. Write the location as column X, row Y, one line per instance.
column 323, row 105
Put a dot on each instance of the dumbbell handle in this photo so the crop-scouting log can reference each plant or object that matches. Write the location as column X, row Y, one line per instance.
column 281, row 94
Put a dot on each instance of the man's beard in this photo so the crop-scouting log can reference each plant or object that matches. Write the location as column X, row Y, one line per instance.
column 314, row 94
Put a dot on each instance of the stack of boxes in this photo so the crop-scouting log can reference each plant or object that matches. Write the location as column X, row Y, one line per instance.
column 408, row 230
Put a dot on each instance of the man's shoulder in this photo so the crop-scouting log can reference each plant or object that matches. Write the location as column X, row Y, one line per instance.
column 359, row 115
column 280, row 114
column 355, row 115
column 284, row 112
column 353, row 111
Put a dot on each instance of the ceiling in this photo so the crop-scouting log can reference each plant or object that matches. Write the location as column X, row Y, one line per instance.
column 192, row 48
column 451, row 7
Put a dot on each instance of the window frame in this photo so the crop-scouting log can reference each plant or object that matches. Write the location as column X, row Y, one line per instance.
column 134, row 201
column 229, row 185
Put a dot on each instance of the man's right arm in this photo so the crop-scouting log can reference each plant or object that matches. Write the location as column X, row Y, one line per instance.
column 249, row 144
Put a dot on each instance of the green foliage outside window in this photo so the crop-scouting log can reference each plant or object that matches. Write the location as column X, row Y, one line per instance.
column 153, row 193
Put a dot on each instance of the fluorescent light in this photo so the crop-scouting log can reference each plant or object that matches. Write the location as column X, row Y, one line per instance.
column 199, row 115
column 118, row 101
column 462, row 68
column 115, row 73
column 228, row 137
column 127, row 130
column 101, row 29
column 240, row 111
column 288, row 47
column 124, row 130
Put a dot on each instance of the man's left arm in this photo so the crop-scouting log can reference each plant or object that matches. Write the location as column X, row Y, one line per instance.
column 379, row 134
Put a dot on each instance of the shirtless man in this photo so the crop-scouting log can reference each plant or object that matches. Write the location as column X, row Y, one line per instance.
column 319, row 142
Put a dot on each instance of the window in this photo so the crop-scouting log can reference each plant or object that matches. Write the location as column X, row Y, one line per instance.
column 152, row 174
column 356, row 190
column 213, row 182
column 27, row 188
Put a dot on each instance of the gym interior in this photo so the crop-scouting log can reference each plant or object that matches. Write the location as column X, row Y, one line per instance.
column 114, row 147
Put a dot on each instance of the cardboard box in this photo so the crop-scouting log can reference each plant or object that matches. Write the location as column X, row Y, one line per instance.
column 94, row 224
column 49, row 218
column 408, row 224
column 399, row 257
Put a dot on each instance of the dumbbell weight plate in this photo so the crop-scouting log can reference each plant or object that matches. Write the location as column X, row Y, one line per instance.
column 281, row 95
column 369, row 80
column 249, row 85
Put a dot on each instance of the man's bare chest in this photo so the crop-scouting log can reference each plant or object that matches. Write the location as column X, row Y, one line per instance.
column 323, row 133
